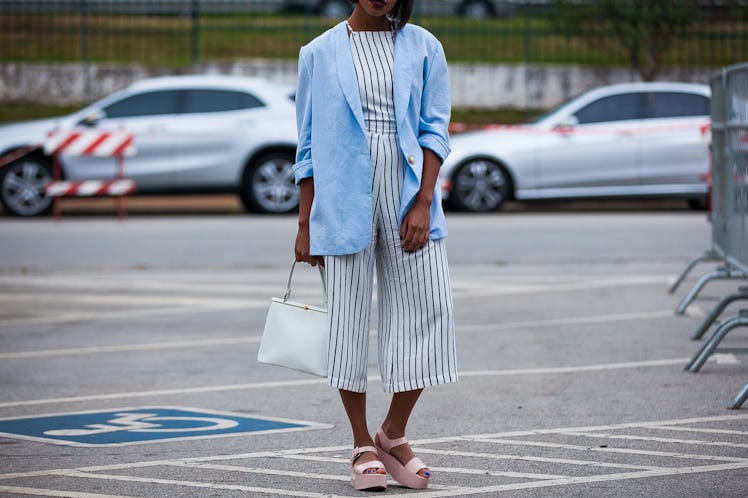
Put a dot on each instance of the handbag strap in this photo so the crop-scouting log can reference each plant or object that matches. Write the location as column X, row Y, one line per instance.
column 287, row 294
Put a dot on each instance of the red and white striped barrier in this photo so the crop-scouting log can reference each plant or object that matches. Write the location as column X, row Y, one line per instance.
column 89, row 142
column 90, row 188
column 586, row 130
column 85, row 142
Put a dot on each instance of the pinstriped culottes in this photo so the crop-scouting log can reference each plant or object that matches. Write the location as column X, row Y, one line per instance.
column 416, row 340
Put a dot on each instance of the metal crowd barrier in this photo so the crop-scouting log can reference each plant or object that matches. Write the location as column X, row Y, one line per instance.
column 729, row 114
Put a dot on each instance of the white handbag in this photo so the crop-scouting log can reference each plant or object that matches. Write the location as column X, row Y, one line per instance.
column 296, row 335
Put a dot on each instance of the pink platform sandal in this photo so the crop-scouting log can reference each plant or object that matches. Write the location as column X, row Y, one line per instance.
column 362, row 481
column 406, row 475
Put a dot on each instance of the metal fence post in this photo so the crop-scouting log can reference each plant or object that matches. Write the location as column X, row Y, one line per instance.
column 85, row 56
column 527, row 41
column 195, row 32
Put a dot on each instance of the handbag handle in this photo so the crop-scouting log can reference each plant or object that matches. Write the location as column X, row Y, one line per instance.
column 287, row 294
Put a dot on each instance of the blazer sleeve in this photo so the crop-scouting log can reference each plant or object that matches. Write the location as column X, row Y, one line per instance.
column 433, row 127
column 303, row 166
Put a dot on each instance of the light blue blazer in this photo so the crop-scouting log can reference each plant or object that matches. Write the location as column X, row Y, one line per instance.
column 333, row 147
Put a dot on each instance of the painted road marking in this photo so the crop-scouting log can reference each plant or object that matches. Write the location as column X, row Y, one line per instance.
column 127, row 426
column 149, row 346
column 564, row 461
column 648, row 315
column 150, row 300
column 161, row 304
column 321, row 382
column 280, row 472
column 579, row 320
column 194, row 484
column 669, row 454
column 106, row 315
column 726, row 444
column 55, row 492
column 702, row 429
column 338, row 487
column 588, row 479
column 522, row 475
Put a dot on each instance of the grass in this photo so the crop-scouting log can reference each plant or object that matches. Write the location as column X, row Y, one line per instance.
column 168, row 40
column 18, row 112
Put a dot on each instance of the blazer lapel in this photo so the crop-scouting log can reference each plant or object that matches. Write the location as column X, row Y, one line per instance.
column 347, row 73
column 402, row 74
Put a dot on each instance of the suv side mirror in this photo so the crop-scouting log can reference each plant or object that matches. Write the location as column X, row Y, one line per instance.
column 568, row 124
column 92, row 118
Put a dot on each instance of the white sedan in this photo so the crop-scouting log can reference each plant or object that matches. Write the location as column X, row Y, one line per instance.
column 625, row 140
column 193, row 134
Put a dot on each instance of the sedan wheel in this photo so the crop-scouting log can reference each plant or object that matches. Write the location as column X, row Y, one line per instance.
column 479, row 185
column 269, row 185
column 22, row 187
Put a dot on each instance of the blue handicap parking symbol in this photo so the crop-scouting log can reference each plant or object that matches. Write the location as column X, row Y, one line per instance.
column 140, row 425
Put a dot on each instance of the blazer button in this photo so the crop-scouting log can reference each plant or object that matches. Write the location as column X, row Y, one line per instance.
column 411, row 159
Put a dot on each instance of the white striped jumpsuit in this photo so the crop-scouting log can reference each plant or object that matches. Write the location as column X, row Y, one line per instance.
column 416, row 344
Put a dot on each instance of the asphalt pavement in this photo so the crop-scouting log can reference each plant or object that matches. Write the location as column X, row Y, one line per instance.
column 128, row 363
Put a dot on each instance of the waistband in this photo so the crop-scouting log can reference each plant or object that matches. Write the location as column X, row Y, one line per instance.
column 381, row 127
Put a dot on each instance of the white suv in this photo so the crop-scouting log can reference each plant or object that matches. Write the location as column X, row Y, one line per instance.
column 193, row 134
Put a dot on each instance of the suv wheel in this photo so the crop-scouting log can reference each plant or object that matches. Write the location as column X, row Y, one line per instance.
column 269, row 185
column 22, row 184
column 479, row 185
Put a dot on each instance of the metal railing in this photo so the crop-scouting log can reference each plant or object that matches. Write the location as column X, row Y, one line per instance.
column 173, row 33
column 729, row 128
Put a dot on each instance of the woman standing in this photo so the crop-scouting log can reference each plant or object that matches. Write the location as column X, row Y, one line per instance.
column 372, row 112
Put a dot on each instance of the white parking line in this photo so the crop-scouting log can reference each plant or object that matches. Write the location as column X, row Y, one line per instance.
column 279, row 472
column 580, row 320
column 702, row 429
column 321, row 382
column 648, row 315
column 103, row 315
column 662, row 472
column 518, row 475
column 255, row 470
column 150, row 300
column 226, row 341
column 54, row 492
column 586, row 283
column 118, row 283
column 194, row 484
column 562, row 461
column 626, row 451
column 611, row 427
column 724, row 444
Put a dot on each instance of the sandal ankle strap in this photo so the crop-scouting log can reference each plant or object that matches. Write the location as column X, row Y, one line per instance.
column 362, row 449
column 387, row 444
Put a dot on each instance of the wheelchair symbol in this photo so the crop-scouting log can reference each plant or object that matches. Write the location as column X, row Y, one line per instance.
column 148, row 422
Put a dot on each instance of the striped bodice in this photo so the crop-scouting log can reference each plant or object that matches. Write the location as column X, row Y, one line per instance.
column 373, row 54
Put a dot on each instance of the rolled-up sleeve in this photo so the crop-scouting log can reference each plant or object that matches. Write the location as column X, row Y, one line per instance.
column 303, row 166
column 433, row 128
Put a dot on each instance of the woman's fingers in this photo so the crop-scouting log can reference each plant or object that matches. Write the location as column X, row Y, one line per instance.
column 413, row 237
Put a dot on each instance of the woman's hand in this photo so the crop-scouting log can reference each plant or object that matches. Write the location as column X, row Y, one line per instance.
column 301, row 248
column 416, row 227
column 414, row 232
